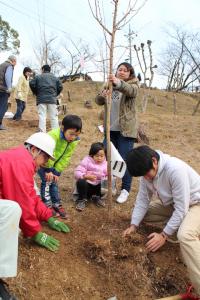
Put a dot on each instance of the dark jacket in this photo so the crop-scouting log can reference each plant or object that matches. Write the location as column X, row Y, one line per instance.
column 46, row 87
column 3, row 68
column 127, row 115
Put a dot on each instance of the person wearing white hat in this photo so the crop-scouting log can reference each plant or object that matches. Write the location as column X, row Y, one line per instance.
column 24, row 207
column 17, row 169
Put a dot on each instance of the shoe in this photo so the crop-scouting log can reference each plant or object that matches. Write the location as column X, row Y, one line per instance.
column 123, row 197
column 2, row 127
column 98, row 201
column 81, row 204
column 60, row 210
column 4, row 293
column 189, row 294
column 55, row 214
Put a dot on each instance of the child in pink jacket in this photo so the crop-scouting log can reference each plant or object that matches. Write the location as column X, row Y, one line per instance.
column 90, row 172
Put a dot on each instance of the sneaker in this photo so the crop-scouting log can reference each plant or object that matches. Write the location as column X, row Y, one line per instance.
column 188, row 294
column 81, row 204
column 2, row 127
column 60, row 210
column 123, row 197
column 4, row 293
column 55, row 214
column 98, row 201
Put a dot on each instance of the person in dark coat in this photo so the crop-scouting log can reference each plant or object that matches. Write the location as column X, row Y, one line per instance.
column 46, row 87
column 6, row 77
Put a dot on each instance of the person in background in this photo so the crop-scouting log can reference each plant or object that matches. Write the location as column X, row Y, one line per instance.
column 177, row 188
column 10, row 213
column 59, row 103
column 6, row 78
column 17, row 168
column 66, row 140
column 123, row 118
column 90, row 172
column 21, row 93
column 46, row 87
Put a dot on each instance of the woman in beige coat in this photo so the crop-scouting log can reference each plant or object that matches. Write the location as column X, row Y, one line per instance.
column 123, row 119
column 21, row 93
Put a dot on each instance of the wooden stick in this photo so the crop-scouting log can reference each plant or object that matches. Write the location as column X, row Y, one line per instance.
column 175, row 105
column 176, row 297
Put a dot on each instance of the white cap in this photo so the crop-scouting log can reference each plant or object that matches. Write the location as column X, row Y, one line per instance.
column 42, row 141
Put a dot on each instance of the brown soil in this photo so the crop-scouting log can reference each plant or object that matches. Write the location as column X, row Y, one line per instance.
column 93, row 261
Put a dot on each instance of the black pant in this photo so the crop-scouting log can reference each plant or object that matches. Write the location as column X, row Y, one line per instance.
column 86, row 190
column 21, row 105
column 3, row 104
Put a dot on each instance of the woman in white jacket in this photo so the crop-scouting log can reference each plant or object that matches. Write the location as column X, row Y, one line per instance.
column 177, row 187
column 21, row 93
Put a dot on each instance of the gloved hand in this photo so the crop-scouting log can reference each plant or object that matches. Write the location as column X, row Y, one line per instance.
column 57, row 225
column 46, row 241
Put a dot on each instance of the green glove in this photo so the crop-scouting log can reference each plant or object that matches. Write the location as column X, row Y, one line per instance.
column 57, row 225
column 46, row 241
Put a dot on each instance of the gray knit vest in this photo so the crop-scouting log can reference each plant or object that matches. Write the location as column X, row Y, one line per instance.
column 3, row 68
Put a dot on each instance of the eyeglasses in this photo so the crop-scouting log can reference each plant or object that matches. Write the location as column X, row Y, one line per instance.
column 46, row 156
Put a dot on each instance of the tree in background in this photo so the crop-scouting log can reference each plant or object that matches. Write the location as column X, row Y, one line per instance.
column 9, row 38
column 68, row 59
column 46, row 53
column 146, row 64
column 78, row 53
column 181, row 62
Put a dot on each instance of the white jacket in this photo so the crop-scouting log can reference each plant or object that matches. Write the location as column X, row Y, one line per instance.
column 176, row 183
column 22, row 89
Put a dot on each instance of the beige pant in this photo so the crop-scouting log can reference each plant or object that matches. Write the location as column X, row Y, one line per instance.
column 10, row 213
column 188, row 236
column 53, row 116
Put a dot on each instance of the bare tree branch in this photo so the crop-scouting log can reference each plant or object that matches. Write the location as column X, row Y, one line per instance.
column 97, row 16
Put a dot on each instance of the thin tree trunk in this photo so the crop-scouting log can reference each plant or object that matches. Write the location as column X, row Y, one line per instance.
column 69, row 96
column 174, row 104
column 145, row 101
column 155, row 100
column 108, row 107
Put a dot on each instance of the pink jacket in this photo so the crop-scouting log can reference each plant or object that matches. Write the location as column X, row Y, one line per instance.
column 88, row 165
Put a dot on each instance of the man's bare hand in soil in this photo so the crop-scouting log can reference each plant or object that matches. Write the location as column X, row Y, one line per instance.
column 156, row 240
column 129, row 230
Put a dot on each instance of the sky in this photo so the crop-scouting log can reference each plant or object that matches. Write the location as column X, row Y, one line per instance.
column 73, row 19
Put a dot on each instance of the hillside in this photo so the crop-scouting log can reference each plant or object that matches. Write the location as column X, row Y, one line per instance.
column 93, row 261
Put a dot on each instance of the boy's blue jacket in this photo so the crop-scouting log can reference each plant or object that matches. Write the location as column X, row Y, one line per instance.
column 62, row 152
